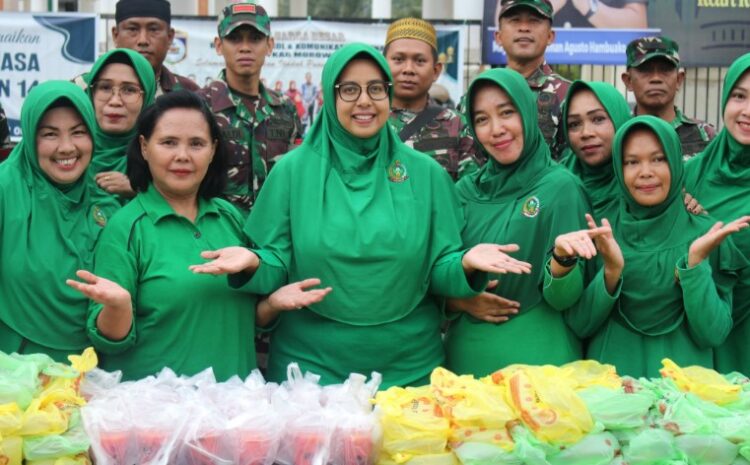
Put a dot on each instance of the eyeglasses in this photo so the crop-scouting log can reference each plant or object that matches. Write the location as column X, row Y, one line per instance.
column 129, row 93
column 350, row 91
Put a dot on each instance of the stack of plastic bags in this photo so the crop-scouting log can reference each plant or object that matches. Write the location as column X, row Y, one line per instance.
column 578, row 414
column 40, row 419
column 196, row 421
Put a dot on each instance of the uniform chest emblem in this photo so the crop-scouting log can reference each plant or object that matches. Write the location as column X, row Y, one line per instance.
column 99, row 216
column 397, row 172
column 531, row 207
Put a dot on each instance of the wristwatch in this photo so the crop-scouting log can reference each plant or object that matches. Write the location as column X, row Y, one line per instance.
column 565, row 262
column 593, row 8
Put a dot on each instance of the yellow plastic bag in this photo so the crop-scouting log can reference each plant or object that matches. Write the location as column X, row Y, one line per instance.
column 10, row 419
column 81, row 459
column 544, row 398
column 477, row 411
column 587, row 373
column 447, row 458
column 413, row 423
column 703, row 382
column 49, row 413
column 11, row 450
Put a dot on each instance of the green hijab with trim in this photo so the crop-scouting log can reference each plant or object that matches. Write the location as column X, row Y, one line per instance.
column 514, row 187
column 654, row 238
column 497, row 182
column 599, row 181
column 47, row 232
column 111, row 148
column 352, row 210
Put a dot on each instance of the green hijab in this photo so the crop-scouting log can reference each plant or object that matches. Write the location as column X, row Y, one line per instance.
column 111, row 148
column 494, row 181
column 370, row 217
column 47, row 232
column 599, row 181
column 654, row 238
column 721, row 173
column 354, row 158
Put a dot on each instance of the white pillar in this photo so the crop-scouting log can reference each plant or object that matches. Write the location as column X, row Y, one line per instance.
column 36, row 6
column 381, row 9
column 271, row 6
column 298, row 8
column 468, row 9
column 437, row 9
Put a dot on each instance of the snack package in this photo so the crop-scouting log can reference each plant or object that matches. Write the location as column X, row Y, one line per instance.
column 11, row 450
column 477, row 411
column 544, row 398
column 703, row 382
column 413, row 423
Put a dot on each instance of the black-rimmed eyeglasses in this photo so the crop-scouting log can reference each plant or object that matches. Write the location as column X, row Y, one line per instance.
column 350, row 91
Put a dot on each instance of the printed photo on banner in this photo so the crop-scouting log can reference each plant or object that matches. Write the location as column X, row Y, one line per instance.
column 710, row 32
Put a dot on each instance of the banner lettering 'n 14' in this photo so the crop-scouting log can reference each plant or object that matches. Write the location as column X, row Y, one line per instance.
column 35, row 48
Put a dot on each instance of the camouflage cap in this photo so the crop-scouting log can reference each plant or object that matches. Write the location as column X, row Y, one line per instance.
column 543, row 7
column 243, row 13
column 641, row 50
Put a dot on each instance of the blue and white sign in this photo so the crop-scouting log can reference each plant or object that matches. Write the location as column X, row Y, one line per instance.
column 577, row 46
column 35, row 48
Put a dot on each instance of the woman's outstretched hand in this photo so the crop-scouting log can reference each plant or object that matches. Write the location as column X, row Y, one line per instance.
column 493, row 258
column 228, row 260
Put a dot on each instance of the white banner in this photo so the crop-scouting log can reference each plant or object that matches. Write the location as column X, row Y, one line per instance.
column 301, row 47
column 38, row 47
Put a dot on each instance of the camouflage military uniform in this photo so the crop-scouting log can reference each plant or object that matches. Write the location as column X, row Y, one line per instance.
column 4, row 135
column 550, row 90
column 168, row 81
column 694, row 134
column 445, row 139
column 271, row 131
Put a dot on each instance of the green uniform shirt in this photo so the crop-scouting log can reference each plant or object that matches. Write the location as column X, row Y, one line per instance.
column 182, row 320
column 256, row 140
column 528, row 202
column 47, row 232
column 663, row 309
column 444, row 138
column 380, row 224
column 719, row 178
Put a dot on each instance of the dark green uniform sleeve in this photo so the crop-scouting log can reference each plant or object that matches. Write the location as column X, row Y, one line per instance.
column 563, row 292
column 707, row 298
column 115, row 260
column 270, row 275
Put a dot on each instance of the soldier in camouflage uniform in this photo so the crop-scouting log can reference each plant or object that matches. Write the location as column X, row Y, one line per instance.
column 259, row 124
column 654, row 76
column 524, row 30
column 4, row 135
column 411, row 51
column 144, row 26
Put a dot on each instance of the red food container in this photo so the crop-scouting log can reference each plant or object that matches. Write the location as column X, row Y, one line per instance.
column 207, row 450
column 353, row 447
column 148, row 443
column 308, row 447
column 116, row 444
column 254, row 447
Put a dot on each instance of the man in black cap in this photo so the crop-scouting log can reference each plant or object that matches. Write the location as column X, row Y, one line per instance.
column 145, row 26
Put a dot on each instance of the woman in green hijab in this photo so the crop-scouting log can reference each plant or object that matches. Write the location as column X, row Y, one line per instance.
column 522, row 197
column 121, row 84
column 591, row 114
column 680, row 269
column 49, row 223
column 719, row 177
column 377, row 222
